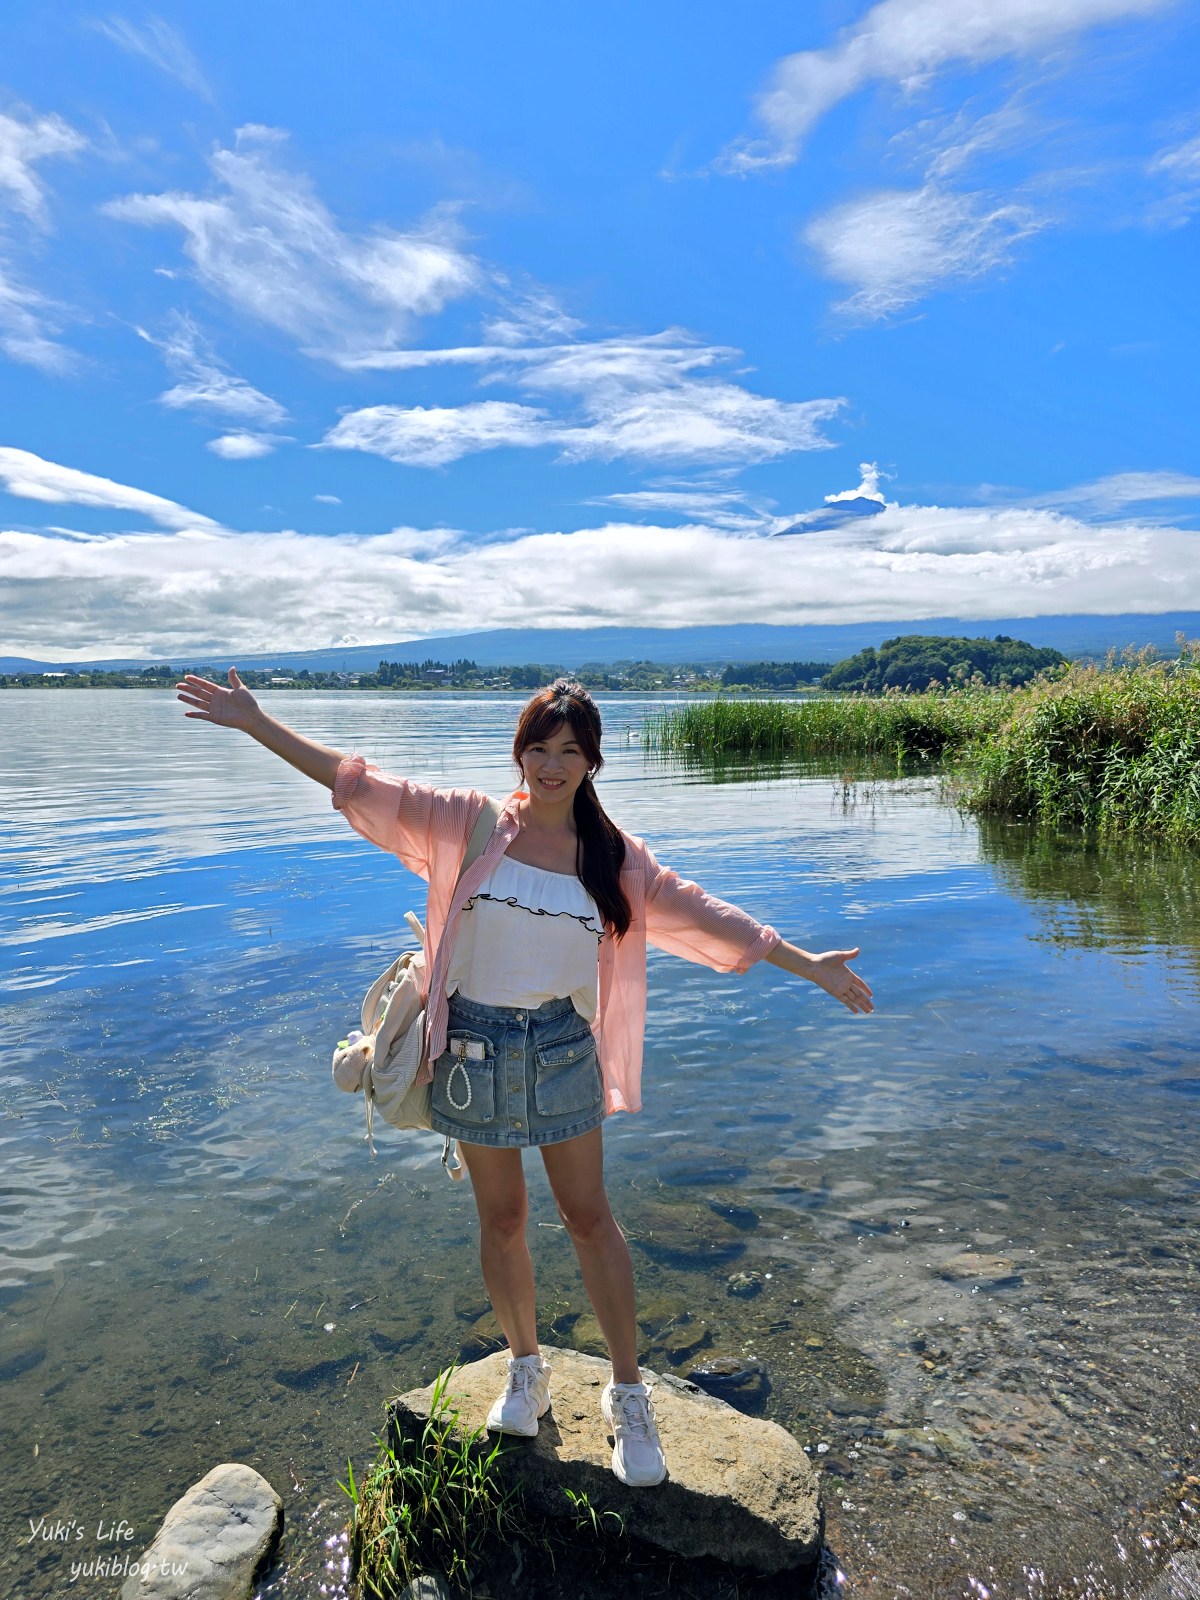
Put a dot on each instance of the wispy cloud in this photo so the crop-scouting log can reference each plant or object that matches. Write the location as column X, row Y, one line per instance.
column 1177, row 169
column 245, row 446
column 892, row 247
column 638, row 399
column 205, row 382
column 264, row 243
column 175, row 595
column 28, row 324
column 730, row 509
column 30, row 319
column 1112, row 496
column 22, row 145
column 907, row 43
column 32, row 478
column 162, row 45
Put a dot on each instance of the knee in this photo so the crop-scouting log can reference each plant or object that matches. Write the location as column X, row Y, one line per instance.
column 586, row 1222
column 504, row 1225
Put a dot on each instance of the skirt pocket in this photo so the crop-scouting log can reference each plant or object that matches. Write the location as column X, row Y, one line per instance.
column 464, row 1086
column 567, row 1078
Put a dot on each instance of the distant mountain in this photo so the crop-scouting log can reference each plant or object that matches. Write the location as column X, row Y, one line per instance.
column 577, row 647
column 834, row 515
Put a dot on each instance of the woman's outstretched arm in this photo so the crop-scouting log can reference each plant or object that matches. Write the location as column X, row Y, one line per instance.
column 828, row 971
column 236, row 707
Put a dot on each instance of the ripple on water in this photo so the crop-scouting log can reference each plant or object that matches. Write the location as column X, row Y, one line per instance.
column 970, row 1223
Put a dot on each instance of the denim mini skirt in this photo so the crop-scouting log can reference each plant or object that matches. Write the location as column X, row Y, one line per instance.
column 511, row 1077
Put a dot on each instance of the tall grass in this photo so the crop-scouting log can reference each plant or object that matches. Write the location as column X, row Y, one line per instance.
column 904, row 728
column 1106, row 750
column 428, row 1505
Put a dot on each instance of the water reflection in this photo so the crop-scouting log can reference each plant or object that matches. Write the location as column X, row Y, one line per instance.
column 955, row 1243
column 1124, row 895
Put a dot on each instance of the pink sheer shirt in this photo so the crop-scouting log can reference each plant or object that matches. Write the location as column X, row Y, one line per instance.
column 428, row 829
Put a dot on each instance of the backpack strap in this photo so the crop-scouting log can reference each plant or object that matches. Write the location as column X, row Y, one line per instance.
column 481, row 833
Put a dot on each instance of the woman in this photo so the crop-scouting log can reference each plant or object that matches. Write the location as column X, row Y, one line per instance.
column 536, row 1006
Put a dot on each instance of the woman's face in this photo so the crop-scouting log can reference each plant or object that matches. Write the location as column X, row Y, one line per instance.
column 555, row 766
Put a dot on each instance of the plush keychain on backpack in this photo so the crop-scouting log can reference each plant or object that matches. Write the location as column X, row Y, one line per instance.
column 351, row 1059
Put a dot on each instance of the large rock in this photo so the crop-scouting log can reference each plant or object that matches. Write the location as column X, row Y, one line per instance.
column 212, row 1541
column 738, row 1488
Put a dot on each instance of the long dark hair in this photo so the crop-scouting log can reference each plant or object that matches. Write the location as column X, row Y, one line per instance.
column 600, row 846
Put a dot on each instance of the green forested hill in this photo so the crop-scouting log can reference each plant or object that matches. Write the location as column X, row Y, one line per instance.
column 915, row 660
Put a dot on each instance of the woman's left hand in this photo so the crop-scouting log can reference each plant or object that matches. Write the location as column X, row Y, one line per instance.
column 830, row 972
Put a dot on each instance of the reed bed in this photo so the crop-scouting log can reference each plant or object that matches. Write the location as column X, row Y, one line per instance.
column 900, row 728
column 1104, row 750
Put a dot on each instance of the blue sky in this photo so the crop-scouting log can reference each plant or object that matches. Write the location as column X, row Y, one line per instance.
column 366, row 323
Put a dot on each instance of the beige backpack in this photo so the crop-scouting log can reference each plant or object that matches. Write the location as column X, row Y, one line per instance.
column 383, row 1059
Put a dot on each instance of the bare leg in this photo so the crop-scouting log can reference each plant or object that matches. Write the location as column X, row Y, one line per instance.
column 498, row 1179
column 575, row 1169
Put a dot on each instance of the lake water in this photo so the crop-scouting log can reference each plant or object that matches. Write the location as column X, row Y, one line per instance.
column 975, row 1214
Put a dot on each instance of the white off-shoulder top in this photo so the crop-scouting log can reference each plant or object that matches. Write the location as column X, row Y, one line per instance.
column 528, row 935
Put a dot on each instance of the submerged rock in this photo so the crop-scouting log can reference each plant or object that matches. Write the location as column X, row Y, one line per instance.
column 682, row 1234
column 738, row 1489
column 741, row 1380
column 213, row 1541
column 1181, row 1580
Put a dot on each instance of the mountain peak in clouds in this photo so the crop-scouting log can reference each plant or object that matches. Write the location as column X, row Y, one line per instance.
column 850, row 505
column 834, row 516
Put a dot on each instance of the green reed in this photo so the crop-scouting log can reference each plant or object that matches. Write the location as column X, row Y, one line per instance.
column 1106, row 750
column 904, row 728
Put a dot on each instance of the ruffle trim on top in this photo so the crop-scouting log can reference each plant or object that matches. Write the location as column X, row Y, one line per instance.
column 540, row 892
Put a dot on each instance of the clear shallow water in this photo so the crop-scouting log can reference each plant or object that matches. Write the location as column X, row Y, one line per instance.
column 979, row 1208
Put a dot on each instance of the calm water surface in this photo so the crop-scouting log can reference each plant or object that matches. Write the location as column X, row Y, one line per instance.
column 976, row 1214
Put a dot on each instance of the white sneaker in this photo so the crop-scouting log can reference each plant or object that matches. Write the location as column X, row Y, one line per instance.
column 637, row 1453
column 526, row 1396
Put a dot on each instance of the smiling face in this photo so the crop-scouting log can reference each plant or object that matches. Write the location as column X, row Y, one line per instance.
column 554, row 766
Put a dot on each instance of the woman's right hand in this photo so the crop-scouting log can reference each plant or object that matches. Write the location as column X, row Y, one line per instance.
column 234, row 707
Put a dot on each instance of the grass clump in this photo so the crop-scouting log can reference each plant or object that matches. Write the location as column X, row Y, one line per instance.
column 1106, row 750
column 905, row 729
column 437, row 1505
column 432, row 1504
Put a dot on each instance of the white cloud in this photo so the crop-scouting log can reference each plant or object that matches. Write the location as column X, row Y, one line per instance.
column 205, row 383
column 29, row 319
column 893, row 246
column 327, row 499
column 868, row 487
column 267, row 245
column 1178, row 169
column 161, row 44
column 1113, row 495
column 32, row 478
column 175, row 595
column 28, row 322
column 635, row 398
column 432, row 436
column 718, row 508
column 244, row 446
column 22, row 146
column 907, row 42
